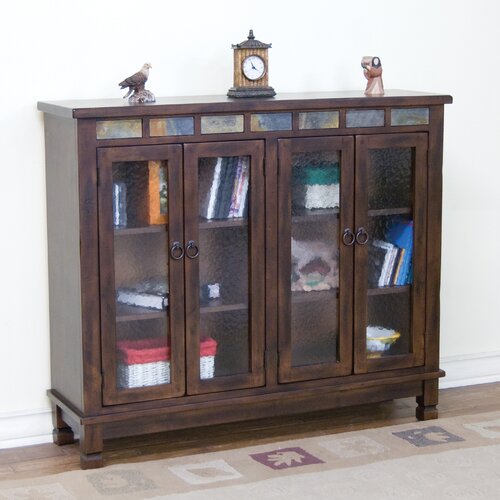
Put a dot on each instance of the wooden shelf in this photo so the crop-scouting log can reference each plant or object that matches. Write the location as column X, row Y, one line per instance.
column 160, row 228
column 314, row 296
column 218, row 223
column 311, row 215
column 135, row 313
column 217, row 306
column 389, row 211
column 389, row 290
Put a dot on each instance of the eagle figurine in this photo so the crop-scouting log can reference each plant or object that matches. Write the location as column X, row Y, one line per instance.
column 137, row 92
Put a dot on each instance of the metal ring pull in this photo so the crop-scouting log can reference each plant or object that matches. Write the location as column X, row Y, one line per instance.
column 192, row 246
column 176, row 251
column 348, row 237
column 362, row 236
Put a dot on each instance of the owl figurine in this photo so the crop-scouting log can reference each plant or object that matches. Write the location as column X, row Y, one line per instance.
column 372, row 69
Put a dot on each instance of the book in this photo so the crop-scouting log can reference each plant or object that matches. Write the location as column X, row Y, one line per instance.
column 206, row 176
column 376, row 258
column 390, row 267
column 131, row 297
column 401, row 234
column 234, row 192
column 396, row 265
column 227, row 186
column 223, row 186
column 239, row 187
column 388, row 248
column 243, row 205
column 152, row 294
column 214, row 189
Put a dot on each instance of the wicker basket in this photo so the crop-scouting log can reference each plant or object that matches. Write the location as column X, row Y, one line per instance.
column 147, row 362
column 143, row 374
column 208, row 350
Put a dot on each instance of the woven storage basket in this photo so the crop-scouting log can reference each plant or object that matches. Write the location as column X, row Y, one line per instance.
column 208, row 350
column 147, row 362
column 143, row 374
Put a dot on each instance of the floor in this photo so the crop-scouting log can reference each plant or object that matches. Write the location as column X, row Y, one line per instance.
column 31, row 461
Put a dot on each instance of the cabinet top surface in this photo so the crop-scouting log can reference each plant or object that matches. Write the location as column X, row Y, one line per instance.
column 103, row 108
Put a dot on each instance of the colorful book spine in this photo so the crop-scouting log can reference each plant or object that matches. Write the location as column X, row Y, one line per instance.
column 214, row 189
column 227, row 194
column 388, row 247
column 401, row 234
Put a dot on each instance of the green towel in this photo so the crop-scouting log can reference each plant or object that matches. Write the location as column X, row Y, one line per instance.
column 324, row 175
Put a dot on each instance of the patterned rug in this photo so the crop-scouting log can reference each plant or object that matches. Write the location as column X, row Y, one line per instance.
column 450, row 458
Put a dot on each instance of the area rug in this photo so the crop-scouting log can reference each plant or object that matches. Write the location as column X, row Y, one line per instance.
column 449, row 458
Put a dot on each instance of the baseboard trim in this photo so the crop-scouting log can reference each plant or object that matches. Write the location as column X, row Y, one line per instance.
column 25, row 428
column 471, row 369
column 35, row 427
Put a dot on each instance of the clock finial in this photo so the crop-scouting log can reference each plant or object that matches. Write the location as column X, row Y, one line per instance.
column 250, row 35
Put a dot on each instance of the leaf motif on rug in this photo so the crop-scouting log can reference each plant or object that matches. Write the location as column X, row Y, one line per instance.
column 205, row 472
column 120, row 481
column 211, row 472
column 488, row 428
column 353, row 446
column 285, row 458
column 428, row 436
column 53, row 491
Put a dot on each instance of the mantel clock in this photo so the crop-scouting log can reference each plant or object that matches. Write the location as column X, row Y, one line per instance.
column 251, row 69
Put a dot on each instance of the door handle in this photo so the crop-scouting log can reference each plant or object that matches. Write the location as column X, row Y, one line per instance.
column 362, row 236
column 192, row 250
column 176, row 251
column 348, row 238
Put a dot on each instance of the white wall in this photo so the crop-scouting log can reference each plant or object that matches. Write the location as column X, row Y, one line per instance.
column 59, row 49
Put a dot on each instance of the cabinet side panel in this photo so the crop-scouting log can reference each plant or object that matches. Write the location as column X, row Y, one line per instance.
column 434, row 228
column 64, row 258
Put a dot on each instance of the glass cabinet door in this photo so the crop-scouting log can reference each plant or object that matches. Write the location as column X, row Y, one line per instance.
column 316, row 188
column 390, row 251
column 224, row 265
column 140, row 231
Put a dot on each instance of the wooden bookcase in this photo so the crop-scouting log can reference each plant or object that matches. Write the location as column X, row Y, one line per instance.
column 215, row 260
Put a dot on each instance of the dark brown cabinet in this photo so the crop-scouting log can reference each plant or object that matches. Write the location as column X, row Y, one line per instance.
column 221, row 260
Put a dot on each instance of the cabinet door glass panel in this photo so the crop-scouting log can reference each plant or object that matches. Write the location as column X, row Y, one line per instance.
column 224, row 200
column 140, row 214
column 314, row 249
column 390, row 251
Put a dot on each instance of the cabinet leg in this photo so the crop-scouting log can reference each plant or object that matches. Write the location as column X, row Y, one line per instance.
column 427, row 402
column 91, row 446
column 62, row 433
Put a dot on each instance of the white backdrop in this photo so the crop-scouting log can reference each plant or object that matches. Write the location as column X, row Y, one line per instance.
column 60, row 49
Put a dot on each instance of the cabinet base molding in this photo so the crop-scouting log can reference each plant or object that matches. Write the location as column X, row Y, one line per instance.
column 94, row 430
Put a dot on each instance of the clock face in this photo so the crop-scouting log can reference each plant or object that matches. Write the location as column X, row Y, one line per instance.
column 254, row 67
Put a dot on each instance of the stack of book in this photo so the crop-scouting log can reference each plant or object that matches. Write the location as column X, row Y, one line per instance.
column 223, row 187
column 150, row 294
column 317, row 186
column 390, row 260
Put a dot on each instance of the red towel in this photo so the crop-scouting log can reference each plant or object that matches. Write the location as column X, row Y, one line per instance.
column 132, row 352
